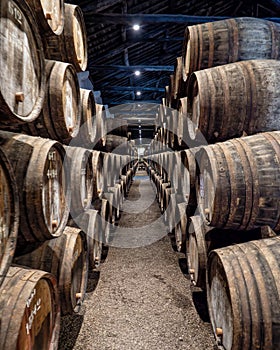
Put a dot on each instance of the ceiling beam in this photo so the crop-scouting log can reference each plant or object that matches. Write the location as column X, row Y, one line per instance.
column 132, row 88
column 121, row 102
column 116, row 18
column 141, row 68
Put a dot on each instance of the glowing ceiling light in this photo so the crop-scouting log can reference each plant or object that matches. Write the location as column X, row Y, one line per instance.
column 138, row 93
column 136, row 27
column 137, row 73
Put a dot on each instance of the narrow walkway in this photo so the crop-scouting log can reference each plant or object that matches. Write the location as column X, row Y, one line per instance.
column 142, row 301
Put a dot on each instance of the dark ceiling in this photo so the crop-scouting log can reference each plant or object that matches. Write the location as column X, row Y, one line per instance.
column 116, row 51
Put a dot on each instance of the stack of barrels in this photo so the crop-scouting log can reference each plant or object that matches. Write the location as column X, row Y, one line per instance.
column 215, row 164
column 54, row 189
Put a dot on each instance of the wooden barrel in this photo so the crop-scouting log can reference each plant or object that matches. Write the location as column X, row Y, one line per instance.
column 243, row 295
column 98, row 174
column 61, row 115
column 23, row 78
column 202, row 239
column 66, row 257
column 180, row 227
column 90, row 223
column 183, row 125
column 9, row 213
column 238, row 185
column 235, row 98
column 71, row 45
column 49, row 16
column 81, row 179
column 111, row 169
column 116, row 144
column 29, row 310
column 41, row 171
column 218, row 43
column 101, row 126
column 87, row 135
column 117, row 126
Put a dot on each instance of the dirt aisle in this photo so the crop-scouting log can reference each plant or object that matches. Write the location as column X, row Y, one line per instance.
column 142, row 299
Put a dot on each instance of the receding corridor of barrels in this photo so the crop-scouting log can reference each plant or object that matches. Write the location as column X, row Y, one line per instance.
column 140, row 298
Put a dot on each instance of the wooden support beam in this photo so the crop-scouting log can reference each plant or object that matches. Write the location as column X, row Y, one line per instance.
column 141, row 68
column 132, row 88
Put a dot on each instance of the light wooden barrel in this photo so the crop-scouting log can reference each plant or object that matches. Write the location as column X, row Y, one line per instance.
column 49, row 16
column 101, row 126
column 98, row 174
column 235, row 98
column 61, row 116
column 87, row 135
column 9, row 213
column 180, row 228
column 183, row 125
column 201, row 239
column 40, row 169
column 218, row 43
column 66, row 257
column 81, row 179
column 23, row 78
column 90, row 223
column 238, row 185
column 29, row 310
column 243, row 295
column 111, row 169
column 71, row 45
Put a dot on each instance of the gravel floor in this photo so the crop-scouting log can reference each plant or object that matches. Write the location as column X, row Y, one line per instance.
column 140, row 298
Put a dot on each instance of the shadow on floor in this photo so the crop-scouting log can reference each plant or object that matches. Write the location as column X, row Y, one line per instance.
column 69, row 331
column 200, row 303
column 93, row 278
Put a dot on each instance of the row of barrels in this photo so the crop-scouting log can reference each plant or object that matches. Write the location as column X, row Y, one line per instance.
column 222, row 202
column 223, row 86
column 57, row 205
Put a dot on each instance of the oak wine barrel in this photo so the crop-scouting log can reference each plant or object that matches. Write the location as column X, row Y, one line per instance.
column 98, row 174
column 238, row 185
column 229, row 100
column 202, row 239
column 71, row 45
column 66, row 257
column 237, row 39
column 23, row 78
column 41, row 170
column 49, row 16
column 90, row 223
column 9, row 214
column 29, row 310
column 243, row 295
column 87, row 135
column 101, row 126
column 181, row 224
column 81, row 179
column 61, row 115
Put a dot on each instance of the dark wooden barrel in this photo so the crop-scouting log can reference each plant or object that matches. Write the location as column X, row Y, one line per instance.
column 235, row 98
column 218, row 43
column 87, row 135
column 98, row 174
column 29, row 310
column 41, row 171
column 201, row 239
column 243, row 295
column 9, row 213
column 90, row 223
column 66, row 257
column 117, row 126
column 49, row 16
column 81, row 179
column 61, row 115
column 116, row 144
column 23, row 78
column 71, row 45
column 238, row 185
